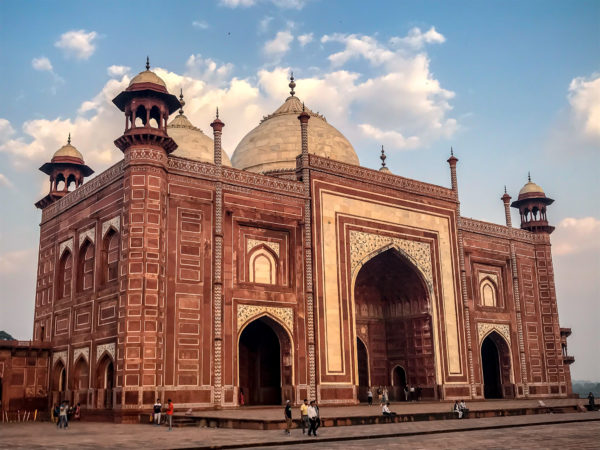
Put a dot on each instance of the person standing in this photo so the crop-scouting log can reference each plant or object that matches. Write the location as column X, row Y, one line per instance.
column 304, row 415
column 157, row 410
column 313, row 418
column 406, row 390
column 419, row 390
column 77, row 414
column 412, row 393
column 591, row 402
column 62, row 416
column 287, row 413
column 370, row 397
column 56, row 414
column 241, row 397
column 170, row 409
column 385, row 395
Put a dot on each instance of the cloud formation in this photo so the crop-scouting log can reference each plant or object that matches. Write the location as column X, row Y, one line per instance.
column 5, row 182
column 283, row 4
column 584, row 99
column 117, row 71
column 200, row 24
column 305, row 39
column 77, row 43
column 417, row 39
column 279, row 45
column 576, row 235
column 42, row 64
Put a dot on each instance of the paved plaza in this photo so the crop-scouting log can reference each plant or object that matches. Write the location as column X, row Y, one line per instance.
column 576, row 430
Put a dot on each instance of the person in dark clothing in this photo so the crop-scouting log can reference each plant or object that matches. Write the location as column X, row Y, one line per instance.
column 591, row 403
column 287, row 413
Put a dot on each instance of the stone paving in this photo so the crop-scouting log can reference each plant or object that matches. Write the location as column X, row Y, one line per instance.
column 87, row 435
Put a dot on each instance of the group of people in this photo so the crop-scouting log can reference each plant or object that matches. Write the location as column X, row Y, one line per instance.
column 309, row 417
column 63, row 413
column 411, row 393
column 460, row 409
column 158, row 407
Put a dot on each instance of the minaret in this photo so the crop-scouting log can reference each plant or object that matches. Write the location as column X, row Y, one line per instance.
column 506, row 200
column 66, row 166
column 383, row 167
column 532, row 203
column 143, row 312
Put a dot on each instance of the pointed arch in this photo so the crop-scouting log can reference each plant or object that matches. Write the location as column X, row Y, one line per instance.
column 488, row 292
column 110, row 255
column 81, row 373
column 86, row 266
column 59, row 376
column 64, row 274
column 262, row 265
column 496, row 365
column 140, row 116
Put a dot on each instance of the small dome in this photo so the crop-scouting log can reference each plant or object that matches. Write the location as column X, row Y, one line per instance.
column 192, row 143
column 147, row 76
column 531, row 188
column 385, row 169
column 68, row 151
column 276, row 142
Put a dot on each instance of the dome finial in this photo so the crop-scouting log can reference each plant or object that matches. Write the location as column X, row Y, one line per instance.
column 217, row 112
column 147, row 63
column 181, row 101
column 505, row 189
column 451, row 151
column 69, row 139
column 382, row 157
column 292, row 85
column 529, row 176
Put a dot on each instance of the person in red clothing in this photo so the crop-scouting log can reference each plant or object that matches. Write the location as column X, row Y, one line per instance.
column 170, row 408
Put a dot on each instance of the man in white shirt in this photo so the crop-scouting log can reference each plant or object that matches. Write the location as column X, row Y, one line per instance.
column 313, row 418
column 386, row 410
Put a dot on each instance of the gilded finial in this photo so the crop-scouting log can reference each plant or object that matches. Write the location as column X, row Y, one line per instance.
column 181, row 101
column 505, row 189
column 292, row 85
column 303, row 109
column 217, row 112
column 451, row 151
column 69, row 139
column 147, row 63
column 382, row 157
column 529, row 176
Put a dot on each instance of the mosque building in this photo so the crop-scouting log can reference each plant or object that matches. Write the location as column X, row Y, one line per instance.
column 287, row 272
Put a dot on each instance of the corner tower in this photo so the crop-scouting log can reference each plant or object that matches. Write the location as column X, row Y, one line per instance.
column 532, row 203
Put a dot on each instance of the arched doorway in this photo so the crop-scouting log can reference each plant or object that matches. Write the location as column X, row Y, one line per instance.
column 81, row 381
column 265, row 363
column 496, row 367
column 392, row 306
column 363, row 370
column 398, row 383
column 105, row 381
column 59, row 382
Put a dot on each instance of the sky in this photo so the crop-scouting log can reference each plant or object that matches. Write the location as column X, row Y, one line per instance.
column 512, row 86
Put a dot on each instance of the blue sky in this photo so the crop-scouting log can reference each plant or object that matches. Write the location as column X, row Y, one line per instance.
column 513, row 86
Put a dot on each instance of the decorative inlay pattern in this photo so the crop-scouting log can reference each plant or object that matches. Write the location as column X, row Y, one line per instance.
column 85, row 351
column 491, row 276
column 382, row 178
column 363, row 244
column 263, row 181
column 62, row 355
column 66, row 244
column 109, row 348
column 145, row 153
column 251, row 243
column 115, row 222
column 483, row 328
column 247, row 312
column 83, row 191
column 478, row 226
column 90, row 234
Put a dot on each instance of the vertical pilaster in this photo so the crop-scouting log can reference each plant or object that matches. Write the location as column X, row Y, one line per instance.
column 308, row 255
column 217, row 127
column 463, row 276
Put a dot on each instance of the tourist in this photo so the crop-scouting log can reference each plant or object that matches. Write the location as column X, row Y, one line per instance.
column 591, row 403
column 456, row 409
column 241, row 397
column 170, row 409
column 463, row 408
column 157, row 410
column 370, row 397
column 55, row 414
column 419, row 390
column 287, row 413
column 406, row 392
column 77, row 414
column 63, row 422
column 304, row 415
column 379, row 395
column 385, row 395
column 412, row 393
column 386, row 410
column 313, row 418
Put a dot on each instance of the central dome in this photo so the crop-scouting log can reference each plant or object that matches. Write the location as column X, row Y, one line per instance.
column 276, row 142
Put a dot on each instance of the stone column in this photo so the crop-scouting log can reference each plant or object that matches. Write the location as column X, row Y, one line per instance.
column 217, row 127
column 463, row 275
column 506, row 200
column 308, row 265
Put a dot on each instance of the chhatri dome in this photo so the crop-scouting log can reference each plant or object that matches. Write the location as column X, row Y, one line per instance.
column 530, row 188
column 67, row 151
column 191, row 142
column 276, row 142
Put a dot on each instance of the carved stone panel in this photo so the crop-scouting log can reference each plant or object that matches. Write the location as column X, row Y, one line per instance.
column 90, row 234
column 64, row 245
column 62, row 355
column 251, row 243
column 109, row 348
column 85, row 351
column 245, row 313
column 115, row 222
column 484, row 328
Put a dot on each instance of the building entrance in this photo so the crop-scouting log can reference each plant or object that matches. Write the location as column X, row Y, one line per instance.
column 393, row 319
column 495, row 363
column 265, row 363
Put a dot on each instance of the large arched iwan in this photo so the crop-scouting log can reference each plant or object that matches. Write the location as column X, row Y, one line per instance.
column 392, row 305
column 265, row 357
column 496, row 367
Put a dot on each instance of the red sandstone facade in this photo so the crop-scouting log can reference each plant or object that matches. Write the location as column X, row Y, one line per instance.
column 164, row 277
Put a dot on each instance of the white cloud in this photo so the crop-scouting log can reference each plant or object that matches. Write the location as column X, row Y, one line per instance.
column 573, row 235
column 200, row 24
column 263, row 25
column 42, row 64
column 584, row 99
column 236, row 3
column 357, row 46
column 117, row 71
column 207, row 70
column 283, row 4
column 417, row 39
column 13, row 262
column 77, row 43
column 391, row 137
column 304, row 39
column 279, row 45
column 6, row 130
column 4, row 181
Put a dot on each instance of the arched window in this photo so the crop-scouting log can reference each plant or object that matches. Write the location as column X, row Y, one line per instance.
column 155, row 117
column 140, row 116
column 71, row 183
column 81, row 375
column 110, row 256
column 65, row 274
column 262, row 267
column 487, row 291
column 85, row 269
